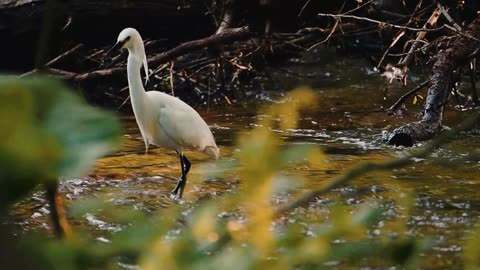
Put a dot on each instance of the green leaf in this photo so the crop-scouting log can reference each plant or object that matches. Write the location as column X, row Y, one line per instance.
column 47, row 132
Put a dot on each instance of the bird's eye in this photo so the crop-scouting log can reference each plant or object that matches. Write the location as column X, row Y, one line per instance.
column 127, row 39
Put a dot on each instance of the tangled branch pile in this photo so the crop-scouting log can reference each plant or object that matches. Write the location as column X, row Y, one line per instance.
column 252, row 36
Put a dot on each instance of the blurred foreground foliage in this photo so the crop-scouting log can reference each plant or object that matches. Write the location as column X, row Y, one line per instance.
column 47, row 132
column 238, row 230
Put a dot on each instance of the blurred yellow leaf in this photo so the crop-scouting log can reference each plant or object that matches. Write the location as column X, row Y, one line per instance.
column 471, row 253
column 204, row 225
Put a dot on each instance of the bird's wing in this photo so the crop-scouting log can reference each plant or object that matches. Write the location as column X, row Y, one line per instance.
column 185, row 127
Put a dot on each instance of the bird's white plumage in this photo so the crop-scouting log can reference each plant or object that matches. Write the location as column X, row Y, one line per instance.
column 163, row 120
column 178, row 126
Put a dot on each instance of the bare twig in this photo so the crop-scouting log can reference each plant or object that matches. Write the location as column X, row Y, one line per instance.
column 327, row 38
column 399, row 34
column 420, row 36
column 313, row 33
column 395, row 40
column 380, row 22
column 123, row 103
column 359, row 7
column 407, row 95
column 63, row 55
column 463, row 34
column 423, row 48
column 448, row 17
column 303, row 8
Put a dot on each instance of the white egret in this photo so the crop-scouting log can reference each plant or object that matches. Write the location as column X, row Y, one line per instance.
column 163, row 120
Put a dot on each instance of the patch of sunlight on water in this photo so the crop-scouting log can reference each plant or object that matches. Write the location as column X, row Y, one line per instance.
column 347, row 125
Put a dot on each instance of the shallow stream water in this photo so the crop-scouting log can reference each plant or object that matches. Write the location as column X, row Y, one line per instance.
column 347, row 124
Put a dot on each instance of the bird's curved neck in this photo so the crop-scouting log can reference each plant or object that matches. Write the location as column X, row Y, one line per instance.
column 137, row 92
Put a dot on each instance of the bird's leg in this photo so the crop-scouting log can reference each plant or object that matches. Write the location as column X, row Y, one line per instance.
column 146, row 147
column 58, row 218
column 183, row 176
column 185, row 164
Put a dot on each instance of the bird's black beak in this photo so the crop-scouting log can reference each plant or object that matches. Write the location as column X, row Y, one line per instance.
column 115, row 47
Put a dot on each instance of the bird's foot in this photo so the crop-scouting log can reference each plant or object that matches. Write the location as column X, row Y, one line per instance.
column 174, row 196
column 177, row 193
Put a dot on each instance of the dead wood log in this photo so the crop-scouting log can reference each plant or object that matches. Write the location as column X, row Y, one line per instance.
column 442, row 80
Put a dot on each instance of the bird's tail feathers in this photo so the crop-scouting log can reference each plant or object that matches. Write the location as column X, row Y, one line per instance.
column 212, row 151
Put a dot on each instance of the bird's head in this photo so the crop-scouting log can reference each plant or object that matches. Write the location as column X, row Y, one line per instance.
column 130, row 39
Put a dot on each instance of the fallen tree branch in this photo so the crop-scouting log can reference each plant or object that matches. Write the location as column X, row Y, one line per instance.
column 56, row 59
column 71, row 76
column 442, row 80
column 225, row 37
